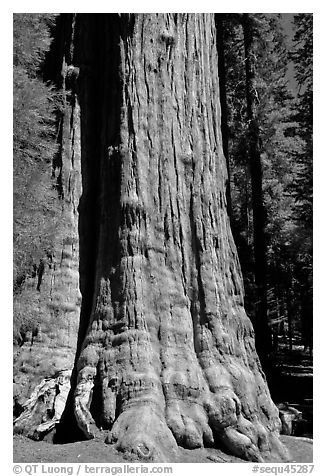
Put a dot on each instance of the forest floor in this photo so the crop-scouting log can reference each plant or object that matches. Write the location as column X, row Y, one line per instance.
column 91, row 451
column 291, row 381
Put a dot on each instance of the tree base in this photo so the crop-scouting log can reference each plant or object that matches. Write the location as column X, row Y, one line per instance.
column 150, row 428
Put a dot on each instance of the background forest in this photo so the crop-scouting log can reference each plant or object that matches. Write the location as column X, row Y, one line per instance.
column 265, row 71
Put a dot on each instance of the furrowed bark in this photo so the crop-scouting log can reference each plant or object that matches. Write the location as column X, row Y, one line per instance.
column 166, row 353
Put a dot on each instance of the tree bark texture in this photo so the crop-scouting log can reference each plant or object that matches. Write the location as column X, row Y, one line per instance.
column 165, row 351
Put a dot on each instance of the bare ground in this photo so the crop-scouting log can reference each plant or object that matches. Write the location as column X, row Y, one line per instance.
column 91, row 451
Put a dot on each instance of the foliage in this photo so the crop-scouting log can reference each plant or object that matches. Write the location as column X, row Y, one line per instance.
column 302, row 55
column 36, row 206
column 31, row 40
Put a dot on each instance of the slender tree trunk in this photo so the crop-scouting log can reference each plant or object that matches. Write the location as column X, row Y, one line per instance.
column 166, row 353
column 263, row 341
column 247, row 212
column 289, row 310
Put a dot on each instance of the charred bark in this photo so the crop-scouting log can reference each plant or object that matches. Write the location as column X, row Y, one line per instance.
column 165, row 353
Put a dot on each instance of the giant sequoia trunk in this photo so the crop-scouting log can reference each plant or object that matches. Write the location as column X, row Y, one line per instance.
column 165, row 353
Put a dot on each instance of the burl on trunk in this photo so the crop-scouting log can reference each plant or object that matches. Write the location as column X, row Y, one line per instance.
column 166, row 354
